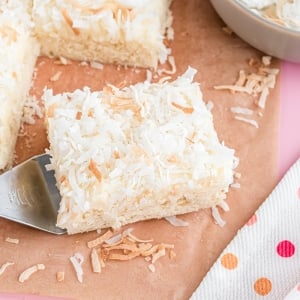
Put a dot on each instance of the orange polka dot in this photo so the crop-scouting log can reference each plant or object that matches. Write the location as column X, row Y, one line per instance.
column 229, row 261
column 263, row 286
column 252, row 220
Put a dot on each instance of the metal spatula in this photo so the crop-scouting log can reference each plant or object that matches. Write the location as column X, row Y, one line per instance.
column 28, row 195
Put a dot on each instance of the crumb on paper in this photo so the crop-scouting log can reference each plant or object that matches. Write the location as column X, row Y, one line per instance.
column 5, row 266
column 96, row 65
column 60, row 276
column 26, row 274
column 56, row 76
column 77, row 261
column 227, row 30
column 12, row 240
column 126, row 246
column 256, row 84
column 62, row 61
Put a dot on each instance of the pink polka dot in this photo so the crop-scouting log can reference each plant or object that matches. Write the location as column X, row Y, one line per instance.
column 298, row 193
column 298, row 287
column 252, row 220
column 285, row 249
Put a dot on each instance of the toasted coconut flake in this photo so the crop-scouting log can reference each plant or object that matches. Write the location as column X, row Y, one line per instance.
column 172, row 254
column 227, row 30
column 12, row 240
column 96, row 265
column 60, row 276
column 5, row 266
column 186, row 110
column 233, row 88
column 100, row 239
column 242, row 78
column 77, row 261
column 94, row 169
column 25, row 275
column 69, row 21
column 134, row 238
column 56, row 76
column 117, row 256
column 175, row 221
column 266, row 60
column 151, row 268
column 155, row 256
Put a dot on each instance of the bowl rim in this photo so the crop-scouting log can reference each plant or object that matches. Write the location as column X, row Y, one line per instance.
column 263, row 20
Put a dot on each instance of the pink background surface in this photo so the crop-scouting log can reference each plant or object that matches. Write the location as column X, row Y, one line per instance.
column 289, row 132
column 289, row 136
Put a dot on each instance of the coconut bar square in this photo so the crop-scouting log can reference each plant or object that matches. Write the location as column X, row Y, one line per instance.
column 142, row 152
column 18, row 53
column 122, row 32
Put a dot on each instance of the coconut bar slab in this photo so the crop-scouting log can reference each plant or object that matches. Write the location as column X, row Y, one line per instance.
column 123, row 32
column 142, row 152
column 18, row 53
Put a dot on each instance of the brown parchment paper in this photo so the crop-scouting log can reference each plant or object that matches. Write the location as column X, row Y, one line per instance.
column 199, row 42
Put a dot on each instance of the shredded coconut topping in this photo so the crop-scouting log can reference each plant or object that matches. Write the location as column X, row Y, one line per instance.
column 154, row 133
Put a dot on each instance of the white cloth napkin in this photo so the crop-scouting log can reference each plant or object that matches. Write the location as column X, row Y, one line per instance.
column 263, row 260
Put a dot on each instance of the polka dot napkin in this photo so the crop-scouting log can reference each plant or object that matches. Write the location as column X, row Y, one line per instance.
column 263, row 260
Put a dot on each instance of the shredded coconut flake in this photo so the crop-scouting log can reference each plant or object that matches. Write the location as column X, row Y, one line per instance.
column 95, row 261
column 249, row 121
column 175, row 221
column 5, row 266
column 60, row 276
column 56, row 76
column 217, row 217
column 241, row 110
column 25, row 275
column 12, row 240
column 96, row 65
column 77, row 261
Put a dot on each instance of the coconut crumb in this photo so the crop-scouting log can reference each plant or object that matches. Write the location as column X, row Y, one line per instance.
column 100, row 239
column 96, row 65
column 62, row 61
column 56, row 76
column 5, row 266
column 60, row 276
column 257, row 84
column 77, row 261
column 227, row 30
column 128, row 247
column 12, row 240
column 96, row 266
column 31, row 110
column 25, row 275
column 151, row 268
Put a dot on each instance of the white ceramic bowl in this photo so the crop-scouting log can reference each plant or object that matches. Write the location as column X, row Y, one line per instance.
column 269, row 37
